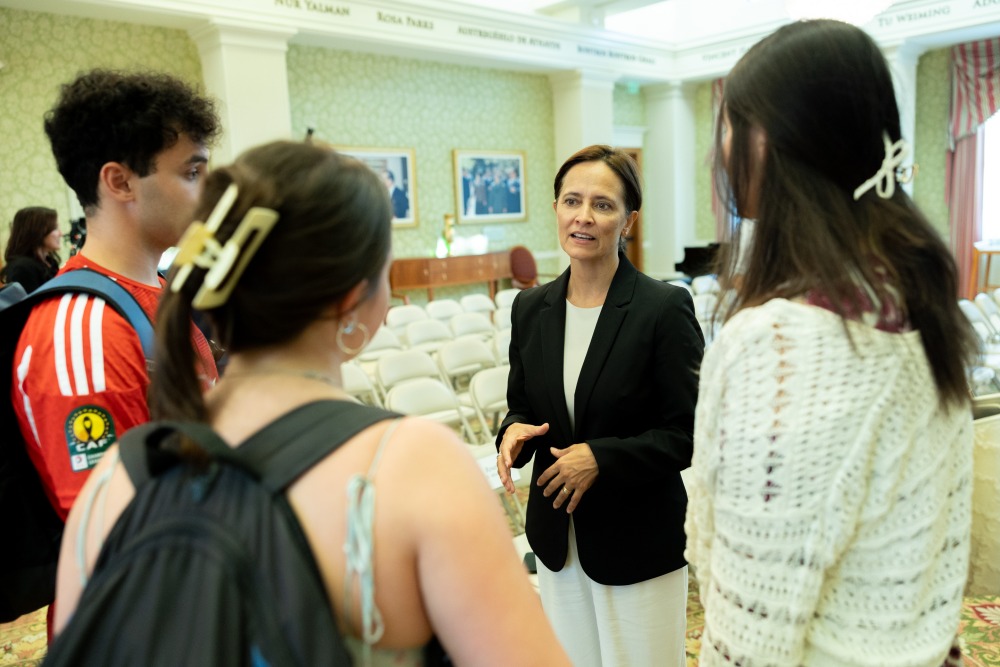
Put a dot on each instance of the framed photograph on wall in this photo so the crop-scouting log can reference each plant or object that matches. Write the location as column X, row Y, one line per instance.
column 489, row 186
column 397, row 169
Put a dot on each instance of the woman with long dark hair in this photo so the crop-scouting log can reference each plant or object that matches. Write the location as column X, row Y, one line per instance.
column 32, row 254
column 830, row 499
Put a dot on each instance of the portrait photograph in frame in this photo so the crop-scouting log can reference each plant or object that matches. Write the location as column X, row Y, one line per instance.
column 489, row 186
column 397, row 169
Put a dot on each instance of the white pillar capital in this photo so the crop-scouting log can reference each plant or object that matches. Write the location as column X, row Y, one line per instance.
column 245, row 69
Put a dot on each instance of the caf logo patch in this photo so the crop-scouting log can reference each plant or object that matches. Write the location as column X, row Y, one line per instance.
column 89, row 432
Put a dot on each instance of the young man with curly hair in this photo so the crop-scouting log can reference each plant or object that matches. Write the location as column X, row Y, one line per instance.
column 134, row 149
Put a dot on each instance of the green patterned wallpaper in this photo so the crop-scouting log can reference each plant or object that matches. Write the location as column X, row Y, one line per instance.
column 931, row 144
column 629, row 108
column 353, row 99
column 43, row 51
column 931, row 140
column 704, row 219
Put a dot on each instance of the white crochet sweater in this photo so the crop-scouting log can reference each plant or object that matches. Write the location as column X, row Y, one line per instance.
column 830, row 497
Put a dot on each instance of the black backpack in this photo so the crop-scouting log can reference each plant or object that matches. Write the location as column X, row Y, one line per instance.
column 211, row 567
column 28, row 559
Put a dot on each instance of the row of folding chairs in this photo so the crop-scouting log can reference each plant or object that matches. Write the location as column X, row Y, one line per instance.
column 452, row 387
column 431, row 335
column 449, row 314
column 430, row 397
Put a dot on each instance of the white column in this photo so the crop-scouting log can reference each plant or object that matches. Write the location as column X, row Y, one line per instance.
column 903, row 60
column 669, row 165
column 246, row 71
column 583, row 108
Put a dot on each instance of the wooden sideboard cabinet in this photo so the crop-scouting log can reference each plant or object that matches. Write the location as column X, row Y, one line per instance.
column 408, row 273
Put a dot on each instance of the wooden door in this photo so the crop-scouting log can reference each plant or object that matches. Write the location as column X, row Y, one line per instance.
column 633, row 242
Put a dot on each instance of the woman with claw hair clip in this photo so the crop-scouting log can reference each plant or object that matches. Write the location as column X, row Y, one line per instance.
column 291, row 269
column 829, row 512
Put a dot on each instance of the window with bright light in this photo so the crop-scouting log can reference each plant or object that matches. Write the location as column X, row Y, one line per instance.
column 991, row 179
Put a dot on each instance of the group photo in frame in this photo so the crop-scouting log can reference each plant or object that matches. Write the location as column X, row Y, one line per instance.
column 397, row 169
column 489, row 186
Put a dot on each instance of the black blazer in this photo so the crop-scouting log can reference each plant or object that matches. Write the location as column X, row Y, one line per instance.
column 634, row 405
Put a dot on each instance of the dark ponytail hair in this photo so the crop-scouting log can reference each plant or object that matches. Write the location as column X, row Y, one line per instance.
column 332, row 233
column 822, row 93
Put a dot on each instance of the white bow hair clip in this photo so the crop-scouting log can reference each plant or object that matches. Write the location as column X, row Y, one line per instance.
column 884, row 180
column 224, row 263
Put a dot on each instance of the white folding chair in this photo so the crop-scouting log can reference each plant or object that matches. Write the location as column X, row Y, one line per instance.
column 505, row 297
column 398, row 317
column 472, row 324
column 405, row 365
column 460, row 359
column 501, row 318
column 443, row 309
column 996, row 296
column 488, row 391
column 705, row 285
column 478, row 303
column 358, row 385
column 383, row 341
column 984, row 330
column 990, row 310
column 989, row 341
column 432, row 399
column 427, row 335
column 704, row 311
column 501, row 346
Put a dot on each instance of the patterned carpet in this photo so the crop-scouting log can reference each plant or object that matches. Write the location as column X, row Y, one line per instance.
column 22, row 643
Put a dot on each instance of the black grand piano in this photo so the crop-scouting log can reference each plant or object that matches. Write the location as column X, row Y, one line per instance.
column 698, row 260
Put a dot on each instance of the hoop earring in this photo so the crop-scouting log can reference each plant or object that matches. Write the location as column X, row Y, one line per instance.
column 347, row 330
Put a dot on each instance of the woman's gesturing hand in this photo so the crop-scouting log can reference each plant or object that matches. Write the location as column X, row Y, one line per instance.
column 510, row 447
column 574, row 471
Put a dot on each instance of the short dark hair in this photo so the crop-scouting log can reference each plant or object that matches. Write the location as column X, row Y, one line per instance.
column 334, row 231
column 618, row 161
column 28, row 231
column 110, row 116
column 822, row 93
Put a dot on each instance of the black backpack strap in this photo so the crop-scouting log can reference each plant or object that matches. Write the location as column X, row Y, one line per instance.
column 280, row 452
column 91, row 282
column 143, row 457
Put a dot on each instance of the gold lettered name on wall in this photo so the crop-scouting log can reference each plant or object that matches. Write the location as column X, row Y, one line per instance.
column 315, row 6
column 598, row 52
column 465, row 34
column 493, row 35
column 922, row 15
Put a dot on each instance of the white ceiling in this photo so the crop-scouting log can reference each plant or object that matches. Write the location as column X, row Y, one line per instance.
column 669, row 21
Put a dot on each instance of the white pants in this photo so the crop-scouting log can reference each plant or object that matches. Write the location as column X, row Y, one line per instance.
column 639, row 625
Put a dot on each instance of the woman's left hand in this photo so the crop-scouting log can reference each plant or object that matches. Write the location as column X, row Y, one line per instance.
column 574, row 471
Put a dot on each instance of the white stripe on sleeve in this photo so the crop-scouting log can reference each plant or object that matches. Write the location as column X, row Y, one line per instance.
column 22, row 373
column 76, row 346
column 97, row 345
column 59, row 346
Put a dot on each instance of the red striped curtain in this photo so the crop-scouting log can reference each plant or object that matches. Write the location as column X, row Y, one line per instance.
column 966, row 205
column 975, row 85
column 975, row 96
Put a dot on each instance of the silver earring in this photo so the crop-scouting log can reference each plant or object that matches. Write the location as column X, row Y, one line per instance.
column 347, row 330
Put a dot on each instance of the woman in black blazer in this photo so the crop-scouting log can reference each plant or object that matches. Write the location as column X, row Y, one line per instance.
column 602, row 392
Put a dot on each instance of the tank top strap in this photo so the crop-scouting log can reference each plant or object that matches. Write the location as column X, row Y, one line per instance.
column 358, row 547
